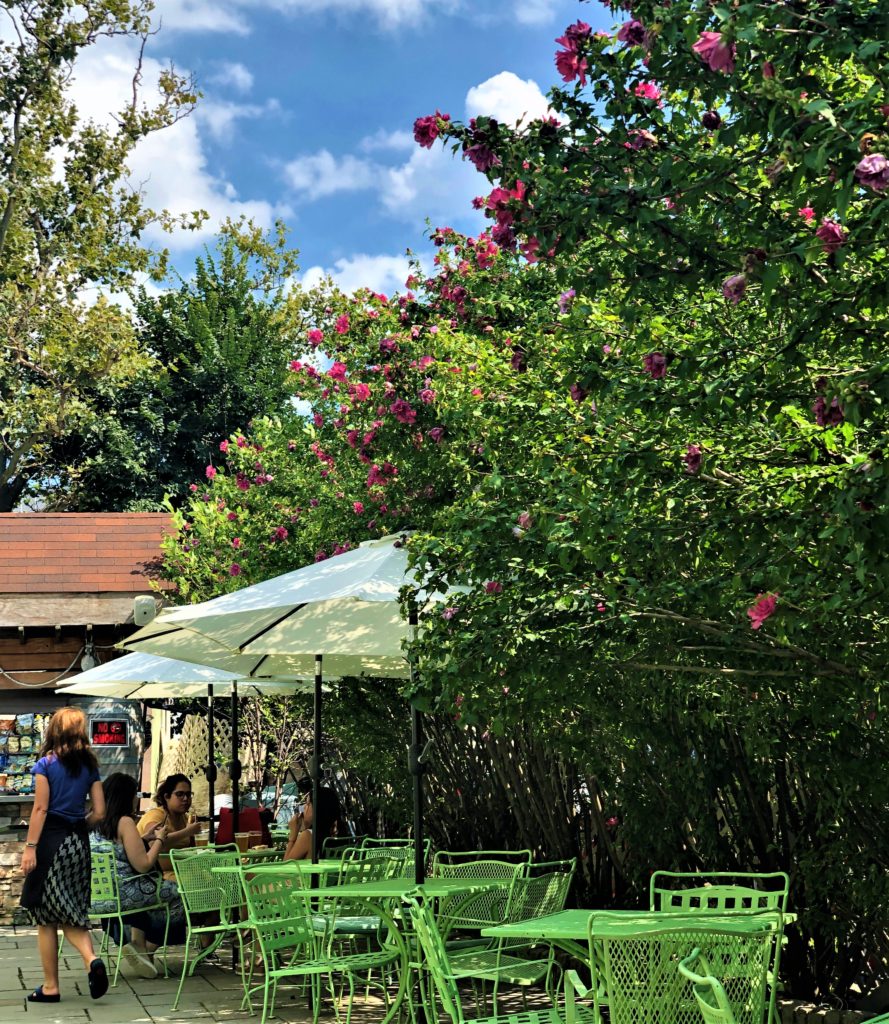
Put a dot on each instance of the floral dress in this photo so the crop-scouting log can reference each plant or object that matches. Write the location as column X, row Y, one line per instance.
column 138, row 890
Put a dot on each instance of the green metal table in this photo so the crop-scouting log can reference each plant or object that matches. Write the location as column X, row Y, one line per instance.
column 577, row 932
column 302, row 867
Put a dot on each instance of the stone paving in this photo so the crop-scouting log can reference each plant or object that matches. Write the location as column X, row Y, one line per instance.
column 211, row 996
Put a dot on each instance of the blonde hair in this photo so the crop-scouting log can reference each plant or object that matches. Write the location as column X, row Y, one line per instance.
column 67, row 739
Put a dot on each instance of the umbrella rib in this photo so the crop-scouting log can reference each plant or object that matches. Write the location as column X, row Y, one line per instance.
column 153, row 636
column 270, row 626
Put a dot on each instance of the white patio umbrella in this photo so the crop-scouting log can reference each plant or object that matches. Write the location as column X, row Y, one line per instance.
column 341, row 617
column 147, row 676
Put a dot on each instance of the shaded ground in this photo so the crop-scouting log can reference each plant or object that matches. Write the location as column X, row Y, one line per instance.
column 212, row 996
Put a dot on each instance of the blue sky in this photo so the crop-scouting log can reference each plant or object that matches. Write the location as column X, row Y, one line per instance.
column 308, row 108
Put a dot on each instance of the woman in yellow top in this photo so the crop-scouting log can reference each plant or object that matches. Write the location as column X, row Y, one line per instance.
column 173, row 800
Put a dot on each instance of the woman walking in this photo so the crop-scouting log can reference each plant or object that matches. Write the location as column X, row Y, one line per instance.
column 56, row 861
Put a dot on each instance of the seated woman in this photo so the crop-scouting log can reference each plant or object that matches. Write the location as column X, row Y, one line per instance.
column 299, row 845
column 173, row 799
column 137, row 873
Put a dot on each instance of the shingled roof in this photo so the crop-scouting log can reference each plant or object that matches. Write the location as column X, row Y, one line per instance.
column 80, row 553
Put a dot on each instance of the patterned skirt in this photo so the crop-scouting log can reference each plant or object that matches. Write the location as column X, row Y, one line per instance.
column 57, row 892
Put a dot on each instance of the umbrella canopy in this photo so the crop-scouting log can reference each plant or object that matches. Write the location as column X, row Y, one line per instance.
column 345, row 609
column 341, row 617
column 148, row 676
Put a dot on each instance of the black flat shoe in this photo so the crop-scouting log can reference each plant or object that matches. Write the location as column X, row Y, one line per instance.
column 39, row 996
column 98, row 979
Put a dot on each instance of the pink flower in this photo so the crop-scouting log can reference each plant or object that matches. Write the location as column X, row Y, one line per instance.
column 318, row 419
column 692, row 459
column 210, row 471
column 337, row 371
column 827, row 415
column 223, row 446
column 831, row 235
column 711, row 120
column 768, row 69
column 577, row 393
column 574, row 35
column 358, row 508
column 427, row 396
column 648, row 91
column 236, row 541
column 234, row 569
column 570, row 65
column 436, row 434
column 482, row 157
column 426, row 129
column 807, row 213
column 733, row 288
column 241, row 442
column 762, row 608
column 403, row 411
column 388, row 345
column 566, row 299
column 359, row 392
column 718, row 55
column 342, row 324
column 280, row 533
column 525, row 520
column 493, row 587
column 655, row 364
column 449, row 613
column 873, row 172
column 315, row 337
column 632, row 33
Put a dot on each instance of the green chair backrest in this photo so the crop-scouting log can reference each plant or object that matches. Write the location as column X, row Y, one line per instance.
column 445, row 858
column 544, row 892
column 278, row 911
column 201, row 890
column 369, row 843
column 724, row 891
column 712, row 1000
column 357, row 867
column 103, row 881
column 434, row 956
column 333, row 846
column 486, row 908
column 637, row 973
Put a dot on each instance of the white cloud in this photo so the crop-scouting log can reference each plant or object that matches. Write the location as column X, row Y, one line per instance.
column 508, row 98
column 170, row 167
column 534, row 12
column 235, row 75
column 220, row 116
column 383, row 140
column 387, row 14
column 380, row 273
column 201, row 16
column 322, row 174
column 432, row 183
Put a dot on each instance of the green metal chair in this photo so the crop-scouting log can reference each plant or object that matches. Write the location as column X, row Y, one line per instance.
column 511, row 962
column 712, row 1001
column 292, row 947
column 105, row 902
column 725, row 892
column 483, row 910
column 449, row 858
column 212, row 902
column 333, row 846
column 719, row 891
column 636, row 972
column 445, row 992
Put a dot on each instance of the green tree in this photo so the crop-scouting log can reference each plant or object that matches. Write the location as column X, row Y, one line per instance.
column 219, row 346
column 68, row 222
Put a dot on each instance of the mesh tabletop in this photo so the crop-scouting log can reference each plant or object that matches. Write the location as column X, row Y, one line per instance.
column 393, row 888
column 573, row 925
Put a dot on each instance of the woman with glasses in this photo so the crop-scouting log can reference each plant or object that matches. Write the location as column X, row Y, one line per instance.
column 173, row 810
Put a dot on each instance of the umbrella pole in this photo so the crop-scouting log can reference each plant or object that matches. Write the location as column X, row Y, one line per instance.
column 316, row 763
column 235, row 768
column 417, row 769
column 211, row 764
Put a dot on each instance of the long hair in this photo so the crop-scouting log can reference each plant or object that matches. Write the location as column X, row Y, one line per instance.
column 66, row 738
column 165, row 789
column 327, row 813
column 120, row 795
